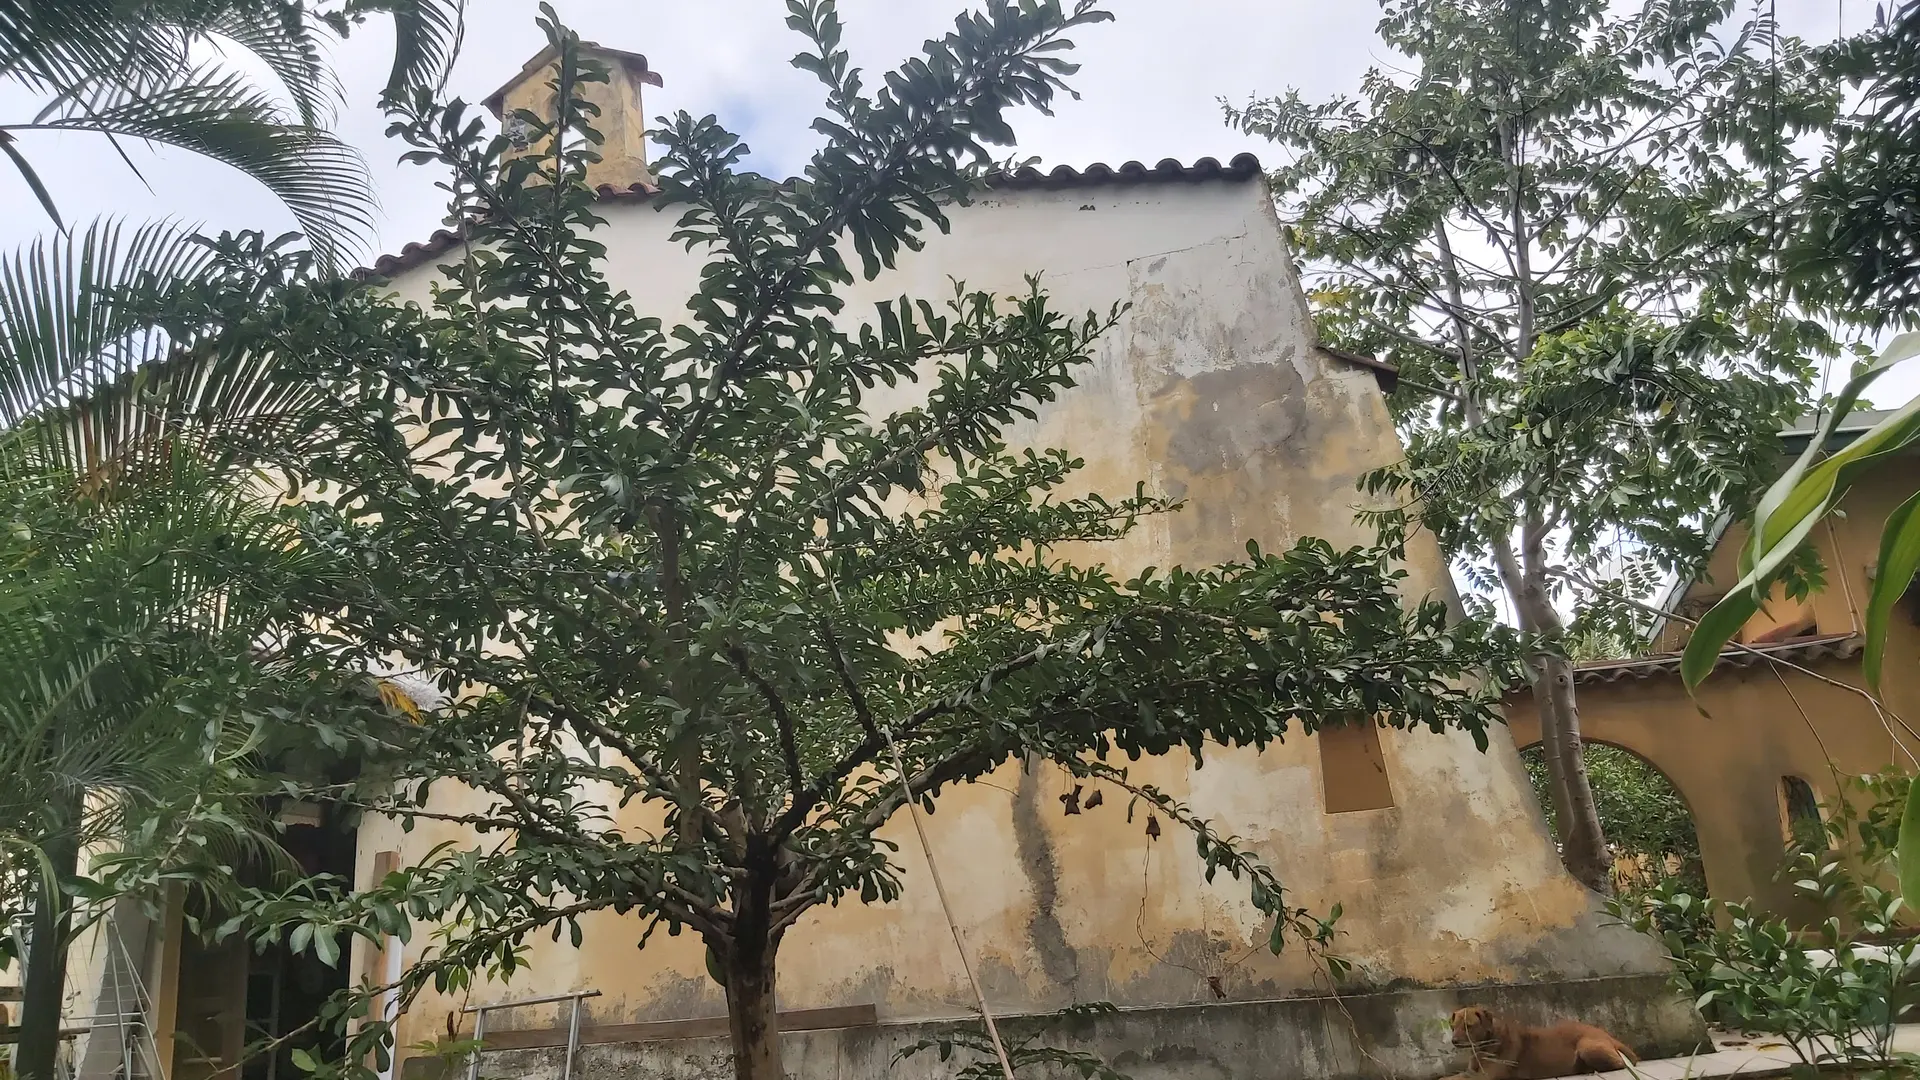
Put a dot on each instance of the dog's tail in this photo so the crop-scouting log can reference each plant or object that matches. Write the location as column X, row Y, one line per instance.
column 1596, row 1055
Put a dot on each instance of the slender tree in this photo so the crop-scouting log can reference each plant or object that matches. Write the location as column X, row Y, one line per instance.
column 1564, row 217
column 670, row 558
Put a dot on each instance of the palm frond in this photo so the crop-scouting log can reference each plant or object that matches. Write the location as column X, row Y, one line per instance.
column 279, row 34
column 426, row 39
column 64, row 339
column 60, row 335
column 126, row 650
column 221, row 116
column 51, row 48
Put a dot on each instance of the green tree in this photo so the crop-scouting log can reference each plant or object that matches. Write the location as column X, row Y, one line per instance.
column 1860, row 220
column 139, row 71
column 671, row 555
column 1857, row 242
column 128, row 653
column 1562, row 216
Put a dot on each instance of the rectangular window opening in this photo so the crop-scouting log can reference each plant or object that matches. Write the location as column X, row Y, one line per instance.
column 1353, row 769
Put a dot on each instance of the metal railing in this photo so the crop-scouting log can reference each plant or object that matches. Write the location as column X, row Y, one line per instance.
column 573, row 1027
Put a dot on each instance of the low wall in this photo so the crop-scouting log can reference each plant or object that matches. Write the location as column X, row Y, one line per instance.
column 1400, row 1034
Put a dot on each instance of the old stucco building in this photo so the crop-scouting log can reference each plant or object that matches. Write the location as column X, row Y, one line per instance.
column 1782, row 721
column 1211, row 389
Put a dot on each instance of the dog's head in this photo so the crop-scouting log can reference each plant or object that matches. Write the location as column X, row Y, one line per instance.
column 1472, row 1026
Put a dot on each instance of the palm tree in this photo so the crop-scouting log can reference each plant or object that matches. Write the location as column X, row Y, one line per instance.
column 140, row 562
column 140, row 70
column 128, row 539
column 128, row 722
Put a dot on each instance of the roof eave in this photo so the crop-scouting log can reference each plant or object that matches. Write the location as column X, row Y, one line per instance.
column 1241, row 168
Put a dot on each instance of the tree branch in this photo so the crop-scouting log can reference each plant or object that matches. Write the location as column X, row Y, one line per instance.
column 855, row 696
column 782, row 720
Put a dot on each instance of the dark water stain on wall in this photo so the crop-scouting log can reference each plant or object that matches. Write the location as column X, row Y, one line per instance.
column 1232, row 417
column 1057, row 958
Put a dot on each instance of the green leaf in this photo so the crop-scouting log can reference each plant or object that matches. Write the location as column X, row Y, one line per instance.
column 1898, row 564
column 1797, row 502
column 32, row 178
column 1711, row 634
column 1909, row 849
column 326, row 947
column 220, row 115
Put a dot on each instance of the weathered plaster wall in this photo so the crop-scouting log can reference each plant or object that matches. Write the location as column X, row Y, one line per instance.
column 1727, row 751
column 1209, row 389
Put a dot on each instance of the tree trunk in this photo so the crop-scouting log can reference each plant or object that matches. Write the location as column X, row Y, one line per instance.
column 1583, row 842
column 46, row 968
column 1550, row 752
column 751, row 1016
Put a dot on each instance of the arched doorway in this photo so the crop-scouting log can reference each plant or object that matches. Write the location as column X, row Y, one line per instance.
column 1648, row 823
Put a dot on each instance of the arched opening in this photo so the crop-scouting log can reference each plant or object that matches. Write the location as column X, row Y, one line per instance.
column 1801, row 826
column 1648, row 824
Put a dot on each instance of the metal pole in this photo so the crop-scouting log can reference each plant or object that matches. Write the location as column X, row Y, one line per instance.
column 573, row 1040
column 523, row 1002
column 126, row 1048
column 479, row 1042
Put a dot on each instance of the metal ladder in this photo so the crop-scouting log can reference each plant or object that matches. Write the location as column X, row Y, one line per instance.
column 573, row 1027
column 131, row 1053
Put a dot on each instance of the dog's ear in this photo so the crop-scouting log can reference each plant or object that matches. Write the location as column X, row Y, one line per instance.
column 1468, row 1021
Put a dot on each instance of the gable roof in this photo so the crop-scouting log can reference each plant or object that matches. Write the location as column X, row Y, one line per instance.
column 1855, row 425
column 1242, row 167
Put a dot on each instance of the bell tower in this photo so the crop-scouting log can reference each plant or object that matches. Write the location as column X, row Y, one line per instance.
column 622, row 122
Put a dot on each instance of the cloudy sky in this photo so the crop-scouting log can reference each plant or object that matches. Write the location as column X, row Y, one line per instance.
column 1150, row 88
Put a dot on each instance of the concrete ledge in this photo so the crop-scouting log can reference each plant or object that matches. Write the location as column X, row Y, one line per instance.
column 1400, row 1034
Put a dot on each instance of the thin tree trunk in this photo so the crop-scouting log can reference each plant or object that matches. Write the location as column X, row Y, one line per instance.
column 46, row 969
column 751, row 1017
column 1583, row 843
column 1513, row 580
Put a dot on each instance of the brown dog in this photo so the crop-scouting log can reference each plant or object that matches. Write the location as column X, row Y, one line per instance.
column 1499, row 1048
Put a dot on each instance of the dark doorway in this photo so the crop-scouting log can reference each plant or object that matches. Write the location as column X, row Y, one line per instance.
column 285, row 991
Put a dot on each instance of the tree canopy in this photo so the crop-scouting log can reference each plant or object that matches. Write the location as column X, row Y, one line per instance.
column 686, row 559
column 1560, row 221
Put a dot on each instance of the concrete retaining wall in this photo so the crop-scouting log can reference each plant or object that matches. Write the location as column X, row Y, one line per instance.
column 1398, row 1034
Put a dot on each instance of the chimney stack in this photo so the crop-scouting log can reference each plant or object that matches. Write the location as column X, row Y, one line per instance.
column 622, row 123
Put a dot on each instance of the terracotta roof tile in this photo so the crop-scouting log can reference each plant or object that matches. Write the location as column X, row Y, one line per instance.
column 1242, row 167
column 1800, row 651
